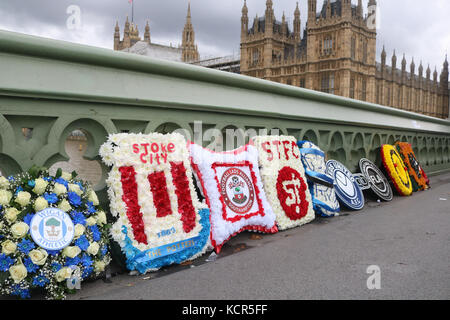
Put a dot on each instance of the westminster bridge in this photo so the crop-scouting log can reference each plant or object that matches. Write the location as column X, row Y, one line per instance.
column 50, row 89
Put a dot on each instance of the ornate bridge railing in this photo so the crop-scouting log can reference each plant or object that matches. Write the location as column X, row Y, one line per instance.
column 50, row 88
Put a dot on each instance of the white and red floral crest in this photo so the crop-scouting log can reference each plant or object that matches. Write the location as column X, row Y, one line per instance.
column 284, row 180
column 160, row 219
column 232, row 186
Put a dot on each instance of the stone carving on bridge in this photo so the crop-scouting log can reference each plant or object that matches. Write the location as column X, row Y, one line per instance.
column 320, row 184
column 284, row 180
column 233, row 188
column 396, row 169
column 160, row 220
column 418, row 177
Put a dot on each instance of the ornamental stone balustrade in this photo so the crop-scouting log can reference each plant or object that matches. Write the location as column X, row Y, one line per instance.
column 50, row 88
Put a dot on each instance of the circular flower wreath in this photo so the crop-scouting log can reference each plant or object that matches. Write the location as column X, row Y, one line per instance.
column 24, row 265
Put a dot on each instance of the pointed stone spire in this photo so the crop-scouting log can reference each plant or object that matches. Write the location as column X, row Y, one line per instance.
column 297, row 23
column 244, row 21
column 420, row 69
column 404, row 63
column 360, row 9
column 116, row 36
column 147, row 33
column 189, row 51
column 383, row 57
column 312, row 9
column 428, row 72
column 394, row 61
column 413, row 67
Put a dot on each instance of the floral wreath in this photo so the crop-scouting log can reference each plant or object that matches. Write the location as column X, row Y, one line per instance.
column 284, row 180
column 419, row 180
column 159, row 218
column 396, row 169
column 24, row 265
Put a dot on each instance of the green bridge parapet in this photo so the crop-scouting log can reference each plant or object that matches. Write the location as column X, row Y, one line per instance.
column 50, row 88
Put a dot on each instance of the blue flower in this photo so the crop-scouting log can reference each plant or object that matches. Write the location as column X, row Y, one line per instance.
column 27, row 219
column 82, row 242
column 86, row 272
column 72, row 261
column 95, row 233
column 17, row 290
column 74, row 199
column 56, row 266
column 31, row 183
column 40, row 281
column 63, row 182
column 90, row 207
column 80, row 185
column 104, row 250
column 18, row 189
column 53, row 252
column 86, row 261
column 11, row 179
column 25, row 246
column 51, row 197
column 5, row 262
column 78, row 218
column 48, row 179
column 31, row 267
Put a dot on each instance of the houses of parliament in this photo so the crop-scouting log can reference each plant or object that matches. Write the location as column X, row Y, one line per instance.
column 335, row 53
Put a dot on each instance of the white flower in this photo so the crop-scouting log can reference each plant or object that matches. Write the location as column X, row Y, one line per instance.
column 64, row 205
column 75, row 188
column 40, row 186
column 4, row 183
column 40, row 204
column 101, row 218
column 71, row 251
column 63, row 274
column 5, row 197
column 11, row 214
column 59, row 189
column 99, row 266
column 91, row 221
column 66, row 176
column 23, row 198
column 93, row 198
column 8, row 247
column 93, row 248
column 38, row 256
column 79, row 230
column 18, row 272
column 19, row 229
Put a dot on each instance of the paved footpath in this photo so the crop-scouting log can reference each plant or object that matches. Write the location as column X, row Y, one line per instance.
column 408, row 239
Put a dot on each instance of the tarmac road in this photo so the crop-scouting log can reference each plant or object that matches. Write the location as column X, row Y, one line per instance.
column 408, row 239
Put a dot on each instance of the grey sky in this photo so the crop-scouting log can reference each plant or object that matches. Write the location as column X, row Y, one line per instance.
column 415, row 27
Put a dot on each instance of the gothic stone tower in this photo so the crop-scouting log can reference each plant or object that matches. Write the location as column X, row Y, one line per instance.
column 130, row 35
column 190, row 50
column 336, row 54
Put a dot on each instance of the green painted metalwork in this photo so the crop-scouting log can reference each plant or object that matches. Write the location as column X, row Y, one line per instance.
column 50, row 88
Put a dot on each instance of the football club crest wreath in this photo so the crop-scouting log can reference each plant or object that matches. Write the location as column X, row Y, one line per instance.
column 232, row 186
column 419, row 180
column 346, row 186
column 376, row 180
column 396, row 169
column 321, row 185
column 284, row 180
column 160, row 220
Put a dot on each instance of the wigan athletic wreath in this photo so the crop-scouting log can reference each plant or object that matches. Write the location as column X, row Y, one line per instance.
column 346, row 186
column 53, row 234
column 320, row 184
column 160, row 220
column 284, row 180
column 376, row 180
column 419, row 180
column 232, row 186
column 396, row 169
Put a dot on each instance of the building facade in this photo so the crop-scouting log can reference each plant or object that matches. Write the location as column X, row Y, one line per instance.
column 132, row 42
column 336, row 54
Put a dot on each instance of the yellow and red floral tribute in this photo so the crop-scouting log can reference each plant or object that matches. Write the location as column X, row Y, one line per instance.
column 418, row 177
column 160, row 220
column 231, row 184
column 284, row 180
column 396, row 169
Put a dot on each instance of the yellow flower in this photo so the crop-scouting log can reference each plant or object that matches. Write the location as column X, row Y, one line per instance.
column 79, row 230
column 99, row 266
column 40, row 186
column 59, row 189
column 93, row 248
column 75, row 188
column 11, row 214
column 5, row 197
column 4, row 183
column 38, row 256
column 71, row 251
column 397, row 170
column 64, row 205
column 19, row 230
column 63, row 274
